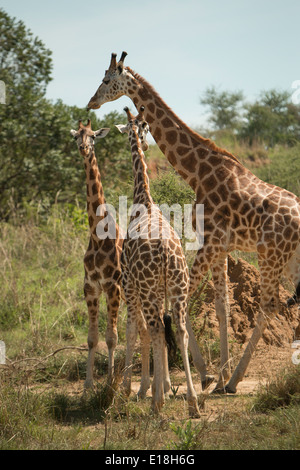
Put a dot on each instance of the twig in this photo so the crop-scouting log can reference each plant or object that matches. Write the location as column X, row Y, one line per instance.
column 53, row 354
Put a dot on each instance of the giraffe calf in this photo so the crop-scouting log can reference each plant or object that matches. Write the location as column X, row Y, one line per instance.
column 153, row 267
column 102, row 258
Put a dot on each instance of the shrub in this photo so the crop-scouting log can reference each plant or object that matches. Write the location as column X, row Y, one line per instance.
column 281, row 392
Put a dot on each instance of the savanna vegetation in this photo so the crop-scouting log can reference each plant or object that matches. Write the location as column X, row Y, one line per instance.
column 43, row 236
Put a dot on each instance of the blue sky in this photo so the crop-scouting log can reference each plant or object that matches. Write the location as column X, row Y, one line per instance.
column 181, row 47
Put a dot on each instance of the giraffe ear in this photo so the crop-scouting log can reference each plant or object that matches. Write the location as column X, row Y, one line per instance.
column 121, row 128
column 73, row 132
column 100, row 133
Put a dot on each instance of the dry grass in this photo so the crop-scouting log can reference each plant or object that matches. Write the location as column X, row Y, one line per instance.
column 44, row 325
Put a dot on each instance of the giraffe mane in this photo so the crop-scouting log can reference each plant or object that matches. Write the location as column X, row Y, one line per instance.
column 207, row 142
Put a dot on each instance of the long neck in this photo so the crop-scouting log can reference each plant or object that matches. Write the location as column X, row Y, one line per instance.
column 184, row 148
column 95, row 195
column 141, row 193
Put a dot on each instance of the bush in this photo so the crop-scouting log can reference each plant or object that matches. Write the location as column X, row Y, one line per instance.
column 283, row 391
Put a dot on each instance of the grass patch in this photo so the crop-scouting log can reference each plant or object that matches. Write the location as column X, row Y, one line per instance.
column 283, row 391
column 44, row 320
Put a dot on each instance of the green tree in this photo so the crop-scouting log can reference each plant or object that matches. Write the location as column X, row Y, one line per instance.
column 224, row 108
column 38, row 158
column 25, row 68
column 25, row 63
column 272, row 119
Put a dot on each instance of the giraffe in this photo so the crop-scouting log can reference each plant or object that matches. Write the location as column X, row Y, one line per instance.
column 241, row 212
column 102, row 258
column 153, row 268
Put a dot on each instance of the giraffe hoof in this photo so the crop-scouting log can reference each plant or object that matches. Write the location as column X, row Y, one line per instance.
column 194, row 409
column 194, row 414
column 223, row 390
column 219, row 391
column 207, row 381
column 229, row 390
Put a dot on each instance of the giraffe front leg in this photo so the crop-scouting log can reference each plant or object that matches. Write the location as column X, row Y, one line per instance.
column 131, row 337
column 145, row 351
column 113, row 299
column 269, row 306
column 166, row 375
column 179, row 312
column 158, row 341
column 92, row 299
column 197, row 273
column 219, row 274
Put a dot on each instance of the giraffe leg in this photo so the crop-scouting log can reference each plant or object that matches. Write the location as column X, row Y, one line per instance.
column 145, row 350
column 197, row 273
column 113, row 298
column 166, row 375
column 153, row 313
column 92, row 299
column 269, row 306
column 167, row 320
column 131, row 337
column 198, row 360
column 180, row 317
column 158, row 342
column 219, row 274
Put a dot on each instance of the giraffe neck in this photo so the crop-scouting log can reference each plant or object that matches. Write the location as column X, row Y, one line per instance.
column 95, row 194
column 184, row 148
column 141, row 193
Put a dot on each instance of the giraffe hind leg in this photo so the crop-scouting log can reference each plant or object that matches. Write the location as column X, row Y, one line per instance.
column 145, row 350
column 169, row 335
column 113, row 299
column 269, row 307
column 92, row 300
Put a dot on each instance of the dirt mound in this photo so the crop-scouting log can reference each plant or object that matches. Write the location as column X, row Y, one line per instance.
column 244, row 296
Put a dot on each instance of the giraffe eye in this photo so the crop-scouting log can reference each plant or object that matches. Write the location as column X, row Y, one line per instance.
column 106, row 81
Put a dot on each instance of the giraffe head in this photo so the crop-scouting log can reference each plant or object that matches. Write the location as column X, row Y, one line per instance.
column 113, row 85
column 85, row 137
column 138, row 122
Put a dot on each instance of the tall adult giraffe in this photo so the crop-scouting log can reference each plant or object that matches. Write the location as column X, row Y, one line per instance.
column 241, row 212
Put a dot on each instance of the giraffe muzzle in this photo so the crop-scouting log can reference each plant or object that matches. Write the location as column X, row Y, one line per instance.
column 92, row 104
column 84, row 149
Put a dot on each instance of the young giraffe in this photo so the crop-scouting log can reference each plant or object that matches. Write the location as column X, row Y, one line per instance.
column 153, row 267
column 102, row 258
column 241, row 212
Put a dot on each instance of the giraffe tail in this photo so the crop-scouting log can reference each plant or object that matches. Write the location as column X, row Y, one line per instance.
column 170, row 336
